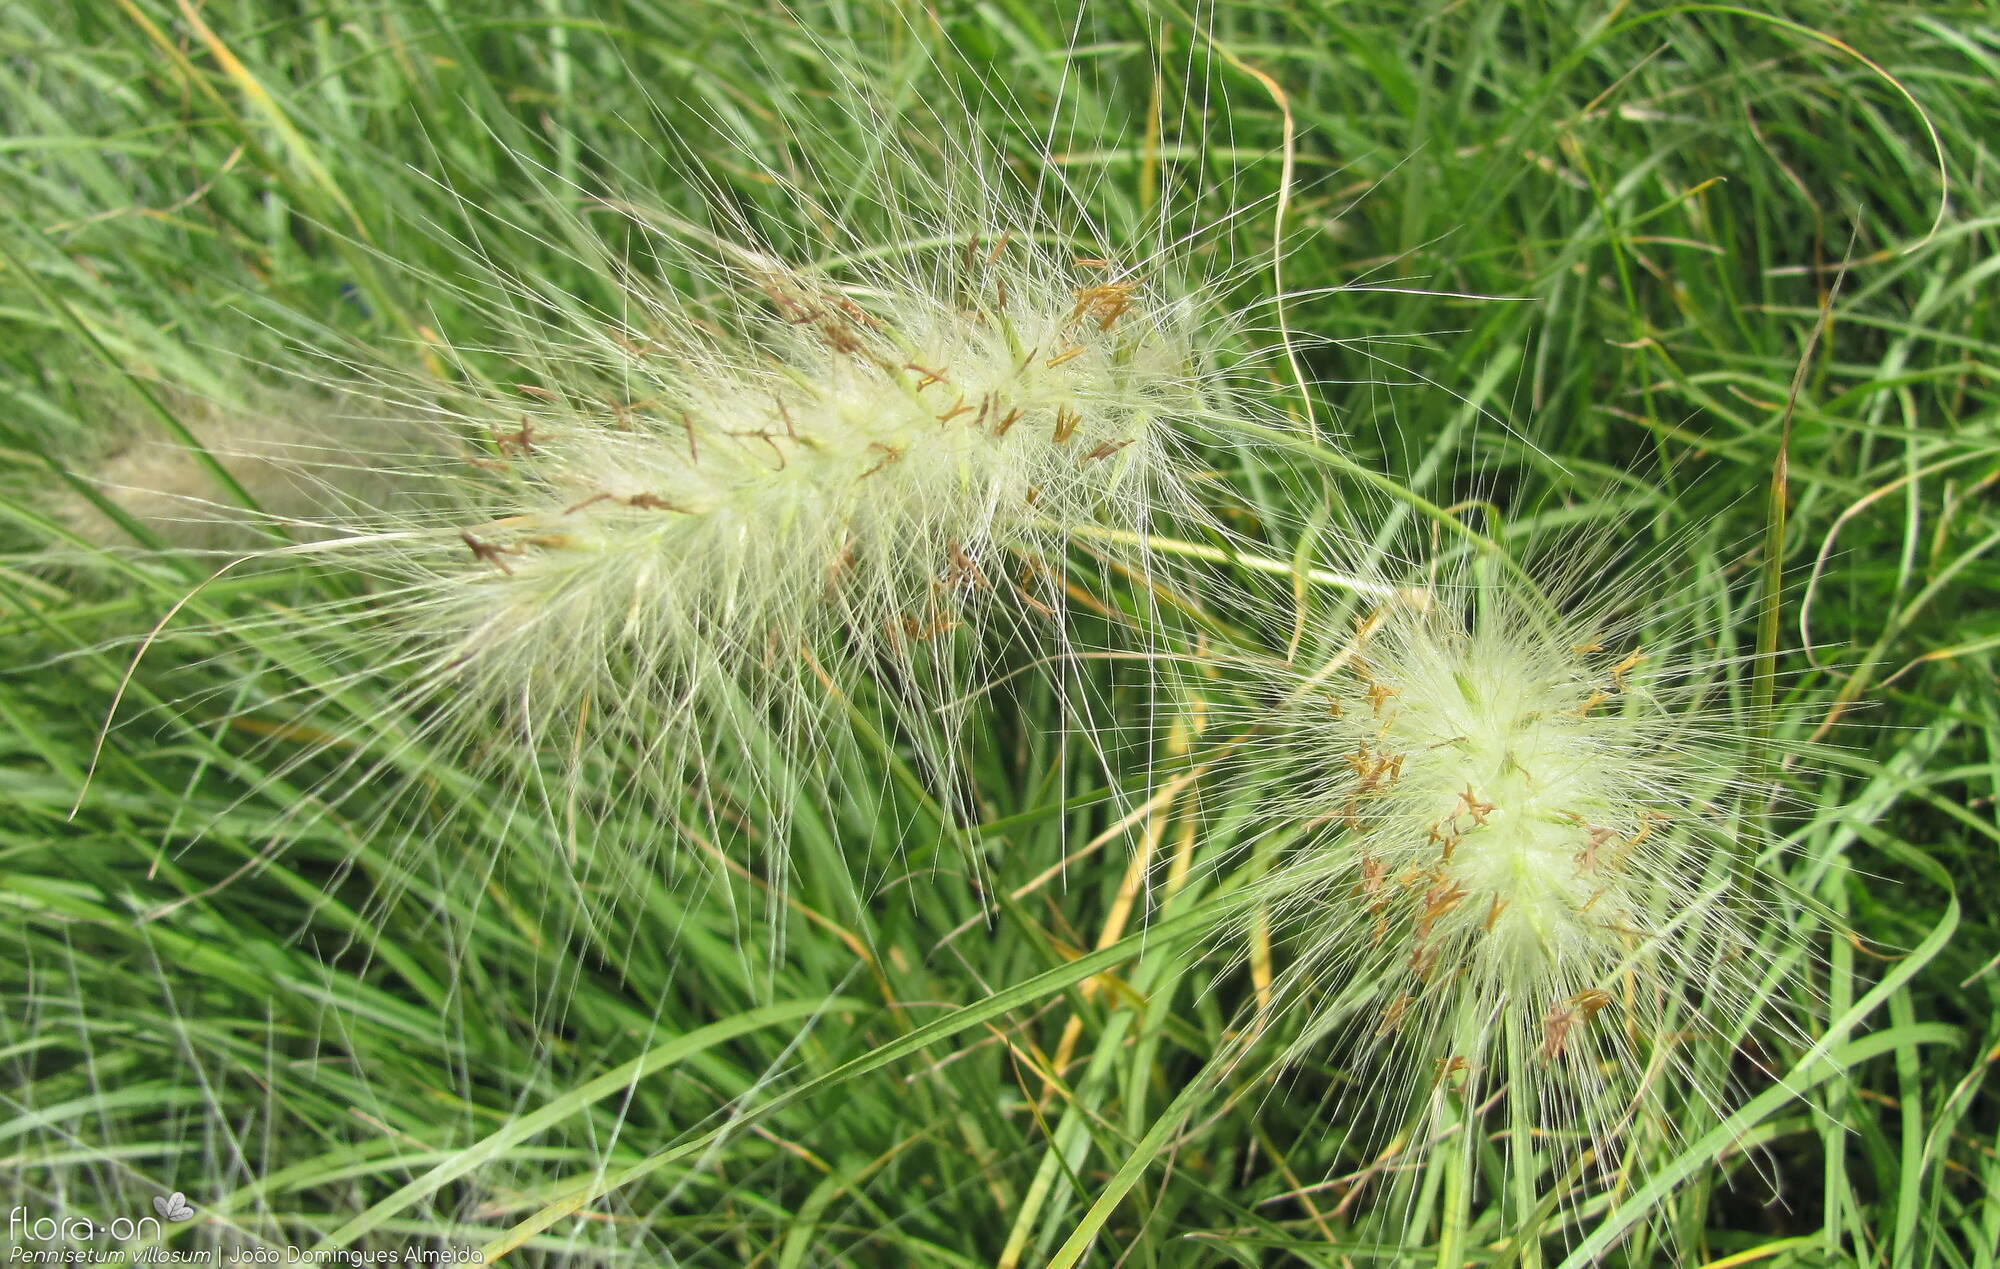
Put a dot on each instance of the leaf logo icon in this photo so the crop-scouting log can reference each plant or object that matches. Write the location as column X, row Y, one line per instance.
column 173, row 1207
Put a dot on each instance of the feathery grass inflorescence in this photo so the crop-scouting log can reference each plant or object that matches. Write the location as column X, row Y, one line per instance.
column 681, row 528
column 871, row 464
column 1517, row 862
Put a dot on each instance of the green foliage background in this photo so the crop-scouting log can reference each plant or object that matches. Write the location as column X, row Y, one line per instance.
column 1669, row 193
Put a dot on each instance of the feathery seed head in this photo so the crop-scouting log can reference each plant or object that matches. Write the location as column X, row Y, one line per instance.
column 1520, row 862
column 869, row 457
column 1510, row 794
column 799, row 445
column 686, row 521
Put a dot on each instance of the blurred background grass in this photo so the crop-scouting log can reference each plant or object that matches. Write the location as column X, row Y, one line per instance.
column 1670, row 192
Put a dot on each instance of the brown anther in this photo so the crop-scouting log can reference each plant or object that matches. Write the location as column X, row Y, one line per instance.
column 960, row 408
column 488, row 552
column 1619, row 671
column 1620, row 928
column 1597, row 697
column 1392, row 1015
column 621, row 410
column 964, row 569
column 1378, row 696
column 1373, row 871
column 1556, row 1027
column 1006, row 236
column 540, row 394
column 1585, row 649
column 1555, row 1033
column 1360, row 760
column 1067, row 421
column 653, row 502
column 889, row 455
column 1493, row 915
column 1106, row 302
column 768, row 439
column 923, row 632
column 856, row 314
column 591, row 501
column 1070, row 353
column 1473, row 806
column 929, row 376
column 1445, row 834
column 1450, row 1066
column 1104, row 449
column 1383, row 770
column 1586, row 859
column 1442, row 897
column 524, row 438
column 1006, row 425
column 1036, row 604
column 1647, row 819
column 839, row 338
column 635, row 349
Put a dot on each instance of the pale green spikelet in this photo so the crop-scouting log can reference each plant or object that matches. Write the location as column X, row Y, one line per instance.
column 680, row 530
column 878, row 459
column 1512, row 863
column 750, row 499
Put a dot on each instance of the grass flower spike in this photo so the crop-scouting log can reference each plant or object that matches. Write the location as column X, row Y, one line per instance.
column 1521, row 873
column 1509, row 795
column 888, row 461
column 679, row 524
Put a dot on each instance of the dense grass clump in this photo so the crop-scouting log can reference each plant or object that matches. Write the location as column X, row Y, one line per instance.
column 686, row 779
